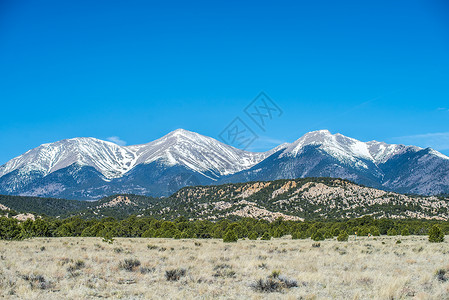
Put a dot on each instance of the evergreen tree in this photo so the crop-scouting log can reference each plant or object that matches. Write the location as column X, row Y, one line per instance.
column 392, row 232
column 374, row 230
column 343, row 236
column 435, row 234
column 405, row 231
column 230, row 236
column 266, row 236
column 319, row 235
column 252, row 235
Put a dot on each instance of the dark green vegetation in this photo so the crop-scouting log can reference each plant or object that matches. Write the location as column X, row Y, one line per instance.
column 254, row 210
column 42, row 206
column 223, row 229
column 436, row 235
column 63, row 208
column 307, row 198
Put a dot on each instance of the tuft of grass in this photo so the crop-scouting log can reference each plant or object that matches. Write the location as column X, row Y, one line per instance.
column 263, row 266
column 129, row 265
column 146, row 270
column 118, row 250
column 38, row 282
column 271, row 285
column 275, row 274
column 77, row 265
column 441, row 275
column 224, row 270
column 175, row 274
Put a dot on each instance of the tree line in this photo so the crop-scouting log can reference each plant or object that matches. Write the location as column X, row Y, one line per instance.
column 182, row 228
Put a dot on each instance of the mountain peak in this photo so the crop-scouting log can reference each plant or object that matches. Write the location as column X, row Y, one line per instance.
column 343, row 147
column 181, row 131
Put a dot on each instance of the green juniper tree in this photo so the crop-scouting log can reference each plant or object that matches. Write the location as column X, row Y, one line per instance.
column 435, row 234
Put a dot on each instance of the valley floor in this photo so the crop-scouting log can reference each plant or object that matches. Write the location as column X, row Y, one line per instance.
column 366, row 268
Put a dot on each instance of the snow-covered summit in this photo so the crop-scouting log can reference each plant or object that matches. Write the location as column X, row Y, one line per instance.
column 108, row 158
column 197, row 152
column 343, row 148
column 183, row 147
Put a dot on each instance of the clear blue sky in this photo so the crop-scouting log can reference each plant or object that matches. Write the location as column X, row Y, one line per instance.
column 137, row 70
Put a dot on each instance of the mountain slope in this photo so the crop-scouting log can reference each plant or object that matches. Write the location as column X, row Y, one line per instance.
column 88, row 168
column 406, row 169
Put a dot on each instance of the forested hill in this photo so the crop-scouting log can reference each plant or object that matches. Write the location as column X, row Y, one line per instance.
column 118, row 206
column 43, row 206
column 299, row 199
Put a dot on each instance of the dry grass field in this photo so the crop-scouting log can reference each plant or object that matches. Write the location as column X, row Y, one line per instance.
column 366, row 268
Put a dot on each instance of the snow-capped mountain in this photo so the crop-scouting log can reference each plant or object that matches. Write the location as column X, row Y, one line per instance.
column 88, row 168
column 406, row 169
column 110, row 164
column 196, row 152
column 106, row 157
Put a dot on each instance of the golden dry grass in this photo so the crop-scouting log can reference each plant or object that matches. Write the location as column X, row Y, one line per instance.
column 46, row 268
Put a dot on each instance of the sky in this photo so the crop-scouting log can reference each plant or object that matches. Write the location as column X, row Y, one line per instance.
column 132, row 71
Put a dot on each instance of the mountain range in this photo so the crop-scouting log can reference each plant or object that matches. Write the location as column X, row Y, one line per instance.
column 89, row 168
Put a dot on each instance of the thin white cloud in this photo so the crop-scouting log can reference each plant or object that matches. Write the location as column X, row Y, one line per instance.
column 437, row 140
column 116, row 140
column 264, row 143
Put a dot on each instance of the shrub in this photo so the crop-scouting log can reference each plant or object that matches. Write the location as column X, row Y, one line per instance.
column 441, row 275
column 318, row 235
column 295, row 235
column 392, row 232
column 343, row 236
column 374, row 231
column 129, row 264
column 118, row 250
column 149, row 233
column 336, row 232
column 175, row 274
column 267, row 286
column 275, row 274
column 405, row 231
column 230, row 236
column 266, row 236
column 274, row 284
column 145, row 270
column 224, row 270
column 9, row 229
column 107, row 238
column 38, row 281
column 252, row 236
column 79, row 264
column 436, row 235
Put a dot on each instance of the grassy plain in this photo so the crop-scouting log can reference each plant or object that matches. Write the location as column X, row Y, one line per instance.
column 366, row 268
